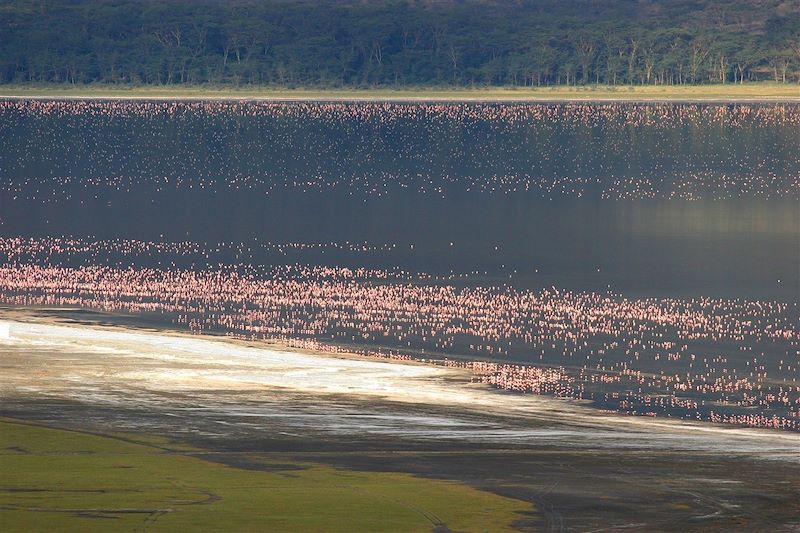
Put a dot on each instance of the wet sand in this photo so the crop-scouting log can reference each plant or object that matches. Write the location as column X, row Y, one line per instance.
column 586, row 470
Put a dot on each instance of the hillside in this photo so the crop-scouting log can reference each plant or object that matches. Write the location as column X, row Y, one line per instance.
column 399, row 43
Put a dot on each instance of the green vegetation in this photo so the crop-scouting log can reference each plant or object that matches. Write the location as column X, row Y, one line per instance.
column 390, row 43
column 56, row 480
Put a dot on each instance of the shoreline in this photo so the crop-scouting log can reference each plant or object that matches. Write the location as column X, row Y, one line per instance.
column 756, row 93
column 581, row 414
column 28, row 315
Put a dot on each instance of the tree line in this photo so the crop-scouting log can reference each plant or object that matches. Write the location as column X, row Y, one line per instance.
column 399, row 43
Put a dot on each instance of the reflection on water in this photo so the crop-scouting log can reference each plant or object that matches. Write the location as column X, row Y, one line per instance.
column 736, row 248
column 648, row 255
column 666, row 200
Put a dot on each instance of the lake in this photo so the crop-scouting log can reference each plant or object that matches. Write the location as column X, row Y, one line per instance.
column 648, row 199
column 648, row 252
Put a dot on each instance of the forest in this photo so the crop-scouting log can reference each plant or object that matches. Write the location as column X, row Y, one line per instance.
column 348, row 43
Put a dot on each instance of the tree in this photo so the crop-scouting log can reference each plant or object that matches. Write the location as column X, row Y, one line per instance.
column 698, row 52
column 585, row 49
column 397, row 42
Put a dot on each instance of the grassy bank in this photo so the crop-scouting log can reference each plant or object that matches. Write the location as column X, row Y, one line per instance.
column 56, row 480
column 730, row 92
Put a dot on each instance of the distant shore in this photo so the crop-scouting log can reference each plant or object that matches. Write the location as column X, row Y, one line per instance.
column 752, row 92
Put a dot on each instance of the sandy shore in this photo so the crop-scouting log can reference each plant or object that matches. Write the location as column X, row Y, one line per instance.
column 750, row 93
column 424, row 99
column 80, row 361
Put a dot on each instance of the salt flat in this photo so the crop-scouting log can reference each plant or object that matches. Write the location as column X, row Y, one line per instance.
column 237, row 384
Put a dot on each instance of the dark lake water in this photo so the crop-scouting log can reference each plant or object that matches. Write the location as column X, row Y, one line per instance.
column 646, row 199
column 643, row 257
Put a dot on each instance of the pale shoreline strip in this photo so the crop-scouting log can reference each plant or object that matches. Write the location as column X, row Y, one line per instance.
column 487, row 98
column 163, row 361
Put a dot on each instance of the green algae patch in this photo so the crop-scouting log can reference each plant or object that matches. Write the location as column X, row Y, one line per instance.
column 59, row 480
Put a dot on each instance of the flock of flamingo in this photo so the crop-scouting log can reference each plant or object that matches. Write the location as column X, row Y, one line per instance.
column 727, row 360
column 82, row 150
column 723, row 360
